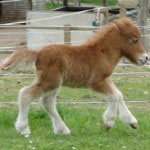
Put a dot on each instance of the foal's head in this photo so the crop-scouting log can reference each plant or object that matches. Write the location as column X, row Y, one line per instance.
column 130, row 41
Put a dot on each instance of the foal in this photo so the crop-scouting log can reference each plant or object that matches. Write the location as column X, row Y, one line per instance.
column 90, row 64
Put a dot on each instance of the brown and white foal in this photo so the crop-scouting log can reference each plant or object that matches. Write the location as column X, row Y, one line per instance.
column 90, row 64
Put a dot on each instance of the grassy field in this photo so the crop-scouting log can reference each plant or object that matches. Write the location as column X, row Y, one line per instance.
column 85, row 121
column 133, row 88
column 86, row 126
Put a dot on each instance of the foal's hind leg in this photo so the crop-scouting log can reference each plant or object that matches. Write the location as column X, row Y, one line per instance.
column 26, row 95
column 49, row 103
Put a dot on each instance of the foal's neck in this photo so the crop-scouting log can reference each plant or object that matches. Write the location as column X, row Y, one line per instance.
column 106, row 44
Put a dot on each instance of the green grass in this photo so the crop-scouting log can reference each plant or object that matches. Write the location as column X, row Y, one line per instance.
column 87, row 131
column 51, row 6
column 54, row 5
column 99, row 2
column 85, row 121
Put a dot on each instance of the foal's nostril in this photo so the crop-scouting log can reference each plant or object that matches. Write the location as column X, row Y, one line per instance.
column 146, row 58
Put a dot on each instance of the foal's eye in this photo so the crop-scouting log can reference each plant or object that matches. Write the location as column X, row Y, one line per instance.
column 134, row 41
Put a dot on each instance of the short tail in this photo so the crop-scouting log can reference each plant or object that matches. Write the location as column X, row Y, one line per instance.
column 22, row 56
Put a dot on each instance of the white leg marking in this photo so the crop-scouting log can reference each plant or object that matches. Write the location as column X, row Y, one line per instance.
column 49, row 102
column 117, row 104
column 124, row 114
column 22, row 120
column 110, row 114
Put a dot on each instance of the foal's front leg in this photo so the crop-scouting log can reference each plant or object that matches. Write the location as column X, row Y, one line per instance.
column 110, row 114
column 124, row 113
column 116, row 103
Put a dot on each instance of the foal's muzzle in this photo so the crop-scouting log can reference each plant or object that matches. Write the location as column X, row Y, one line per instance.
column 143, row 59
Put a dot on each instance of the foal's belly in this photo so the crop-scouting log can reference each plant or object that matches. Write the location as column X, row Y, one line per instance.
column 76, row 82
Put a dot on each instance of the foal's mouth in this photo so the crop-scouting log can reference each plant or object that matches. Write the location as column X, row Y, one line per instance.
column 142, row 62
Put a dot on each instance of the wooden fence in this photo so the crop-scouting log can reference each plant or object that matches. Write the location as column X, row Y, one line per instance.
column 67, row 32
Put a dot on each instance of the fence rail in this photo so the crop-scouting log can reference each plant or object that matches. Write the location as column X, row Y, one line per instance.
column 83, row 28
column 66, row 28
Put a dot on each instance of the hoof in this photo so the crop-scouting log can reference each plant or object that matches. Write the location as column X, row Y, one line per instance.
column 26, row 132
column 134, row 126
column 107, row 128
column 22, row 129
column 63, row 131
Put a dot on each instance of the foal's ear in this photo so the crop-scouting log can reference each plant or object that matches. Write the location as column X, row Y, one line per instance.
column 123, row 25
column 120, row 26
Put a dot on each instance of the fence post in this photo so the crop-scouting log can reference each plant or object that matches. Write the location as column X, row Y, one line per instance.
column 142, row 20
column 30, row 4
column 67, row 34
column 65, row 3
column 106, row 13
